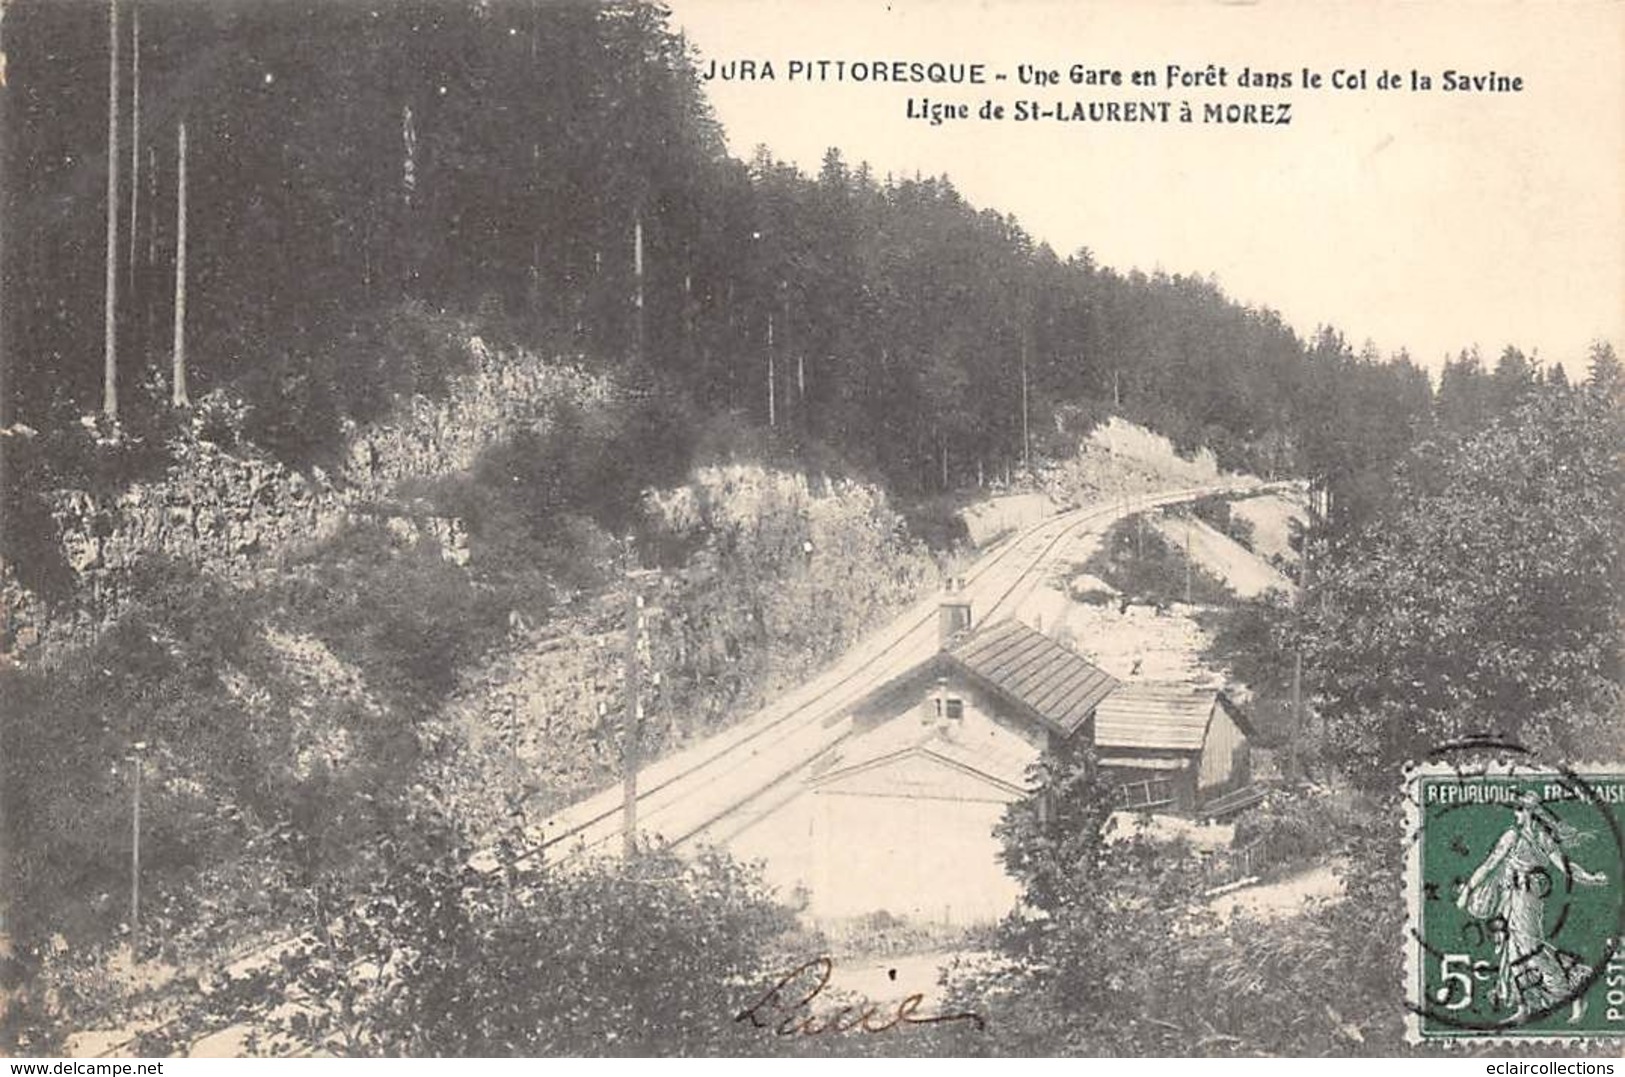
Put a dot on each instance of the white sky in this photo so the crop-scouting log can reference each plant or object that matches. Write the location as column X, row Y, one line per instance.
column 1428, row 221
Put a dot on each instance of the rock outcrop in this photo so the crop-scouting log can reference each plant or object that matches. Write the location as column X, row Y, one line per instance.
column 231, row 512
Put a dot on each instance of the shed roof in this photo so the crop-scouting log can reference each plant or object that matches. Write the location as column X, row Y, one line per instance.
column 1170, row 718
column 1057, row 683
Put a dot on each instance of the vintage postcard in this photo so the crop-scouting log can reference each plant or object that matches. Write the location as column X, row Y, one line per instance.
column 992, row 528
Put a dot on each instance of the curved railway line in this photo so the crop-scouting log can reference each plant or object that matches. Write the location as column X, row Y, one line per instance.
column 733, row 767
column 688, row 792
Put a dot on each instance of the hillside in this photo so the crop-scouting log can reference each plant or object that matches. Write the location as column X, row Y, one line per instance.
column 320, row 666
column 838, row 316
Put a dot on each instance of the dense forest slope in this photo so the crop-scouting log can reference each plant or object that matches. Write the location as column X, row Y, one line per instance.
column 556, row 168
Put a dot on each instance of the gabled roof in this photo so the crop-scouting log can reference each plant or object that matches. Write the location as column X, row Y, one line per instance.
column 958, row 757
column 1171, row 718
column 1052, row 680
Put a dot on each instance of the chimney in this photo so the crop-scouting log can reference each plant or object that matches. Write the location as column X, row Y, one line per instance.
column 953, row 613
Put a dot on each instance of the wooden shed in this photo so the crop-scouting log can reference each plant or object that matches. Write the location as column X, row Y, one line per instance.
column 1171, row 747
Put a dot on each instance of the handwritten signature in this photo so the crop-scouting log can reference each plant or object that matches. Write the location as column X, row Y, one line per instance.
column 786, row 1008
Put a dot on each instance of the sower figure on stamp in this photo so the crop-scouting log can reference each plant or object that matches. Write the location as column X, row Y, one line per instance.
column 1509, row 891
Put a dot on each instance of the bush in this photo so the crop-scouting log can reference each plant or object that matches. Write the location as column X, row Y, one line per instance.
column 1137, row 561
column 655, row 957
column 407, row 618
column 936, row 522
column 1293, row 828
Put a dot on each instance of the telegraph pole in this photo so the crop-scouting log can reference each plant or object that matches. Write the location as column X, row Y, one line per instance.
column 1293, row 749
column 801, row 384
column 1187, row 560
column 135, row 857
column 632, row 734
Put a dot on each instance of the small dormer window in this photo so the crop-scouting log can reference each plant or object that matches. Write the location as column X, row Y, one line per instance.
column 955, row 707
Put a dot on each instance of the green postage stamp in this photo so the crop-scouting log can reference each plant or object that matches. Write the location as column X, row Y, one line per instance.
column 1516, row 908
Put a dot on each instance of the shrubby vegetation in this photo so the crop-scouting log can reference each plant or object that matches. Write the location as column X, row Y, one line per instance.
column 437, row 958
column 1116, row 953
column 1255, row 639
column 1138, row 561
column 1489, row 598
column 1297, row 827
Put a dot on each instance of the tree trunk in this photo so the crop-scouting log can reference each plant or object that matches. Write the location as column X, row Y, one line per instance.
column 179, row 396
column 152, row 202
column 637, row 274
column 110, row 309
column 135, row 136
column 5, row 369
column 772, row 404
column 1026, row 432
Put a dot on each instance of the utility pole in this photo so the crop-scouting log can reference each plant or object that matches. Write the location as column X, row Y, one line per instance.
column 1293, row 761
column 1187, row 560
column 135, row 857
column 632, row 734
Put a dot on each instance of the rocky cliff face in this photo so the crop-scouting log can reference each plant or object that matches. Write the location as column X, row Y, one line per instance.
column 783, row 574
column 231, row 512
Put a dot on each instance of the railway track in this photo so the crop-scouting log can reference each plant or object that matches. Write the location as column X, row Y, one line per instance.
column 683, row 795
column 688, row 792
